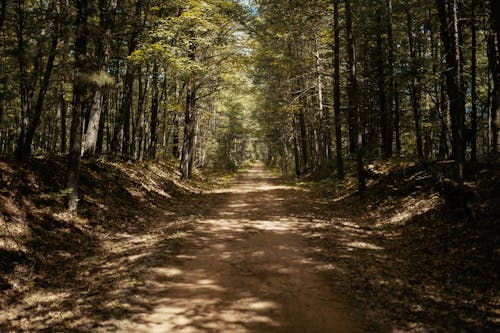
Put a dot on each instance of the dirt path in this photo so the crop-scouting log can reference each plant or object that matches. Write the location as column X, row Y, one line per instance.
column 245, row 268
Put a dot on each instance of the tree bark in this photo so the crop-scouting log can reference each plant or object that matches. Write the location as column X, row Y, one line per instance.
column 106, row 15
column 121, row 134
column 415, row 89
column 188, row 145
column 336, row 90
column 154, row 112
column 473, row 120
column 385, row 115
column 495, row 69
column 353, row 96
column 322, row 137
column 34, row 116
column 450, row 37
column 79, row 90
column 63, row 110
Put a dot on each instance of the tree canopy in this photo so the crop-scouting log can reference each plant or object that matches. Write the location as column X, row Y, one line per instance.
column 303, row 85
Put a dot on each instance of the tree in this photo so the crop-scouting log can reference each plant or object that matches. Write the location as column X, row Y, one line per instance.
column 353, row 95
column 448, row 17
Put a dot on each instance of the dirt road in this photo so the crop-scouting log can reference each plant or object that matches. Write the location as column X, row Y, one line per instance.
column 245, row 268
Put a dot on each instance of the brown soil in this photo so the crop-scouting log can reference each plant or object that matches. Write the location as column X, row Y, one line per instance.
column 149, row 254
column 244, row 268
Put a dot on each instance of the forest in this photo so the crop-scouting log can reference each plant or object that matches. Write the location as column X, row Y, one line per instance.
column 309, row 166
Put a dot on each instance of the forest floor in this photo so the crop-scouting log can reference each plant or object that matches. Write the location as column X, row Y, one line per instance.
column 261, row 254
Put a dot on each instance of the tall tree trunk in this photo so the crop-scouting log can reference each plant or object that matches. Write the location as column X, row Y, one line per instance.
column 102, row 52
column 121, row 135
column 303, row 130
column 154, row 112
column 393, row 95
column 415, row 88
column 353, row 96
column 139, row 122
column 188, row 145
column 385, row 115
column 495, row 69
column 450, row 37
column 92, row 128
column 336, row 90
column 296, row 153
column 322, row 137
column 102, row 122
column 63, row 110
column 23, row 78
column 34, row 115
column 3, row 79
column 175, row 123
column 473, row 120
column 79, row 90
column 3, row 7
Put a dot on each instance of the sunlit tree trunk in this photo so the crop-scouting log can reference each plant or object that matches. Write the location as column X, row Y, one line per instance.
column 79, row 91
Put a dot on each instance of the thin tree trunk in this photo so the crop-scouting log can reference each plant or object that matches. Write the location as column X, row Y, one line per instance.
column 175, row 123
column 25, row 149
column 154, row 112
column 100, row 133
column 79, row 90
column 322, row 141
column 473, row 120
column 393, row 97
column 336, row 90
column 63, row 109
column 103, row 46
column 121, row 135
column 188, row 145
column 495, row 69
column 450, row 38
column 415, row 89
column 353, row 96
column 385, row 119
column 3, row 79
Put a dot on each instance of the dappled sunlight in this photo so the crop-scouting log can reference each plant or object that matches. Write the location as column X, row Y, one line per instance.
column 243, row 269
column 413, row 207
column 364, row 245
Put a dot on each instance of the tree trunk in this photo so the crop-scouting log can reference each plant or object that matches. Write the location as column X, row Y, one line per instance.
column 100, row 133
column 450, row 38
column 3, row 79
column 188, row 145
column 154, row 112
column 322, row 137
column 35, row 115
column 175, row 123
column 495, row 69
column 63, row 112
column 336, row 91
column 385, row 115
column 473, row 116
column 79, row 90
column 393, row 96
column 415, row 89
column 102, row 52
column 121, row 135
column 92, row 128
column 353, row 96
